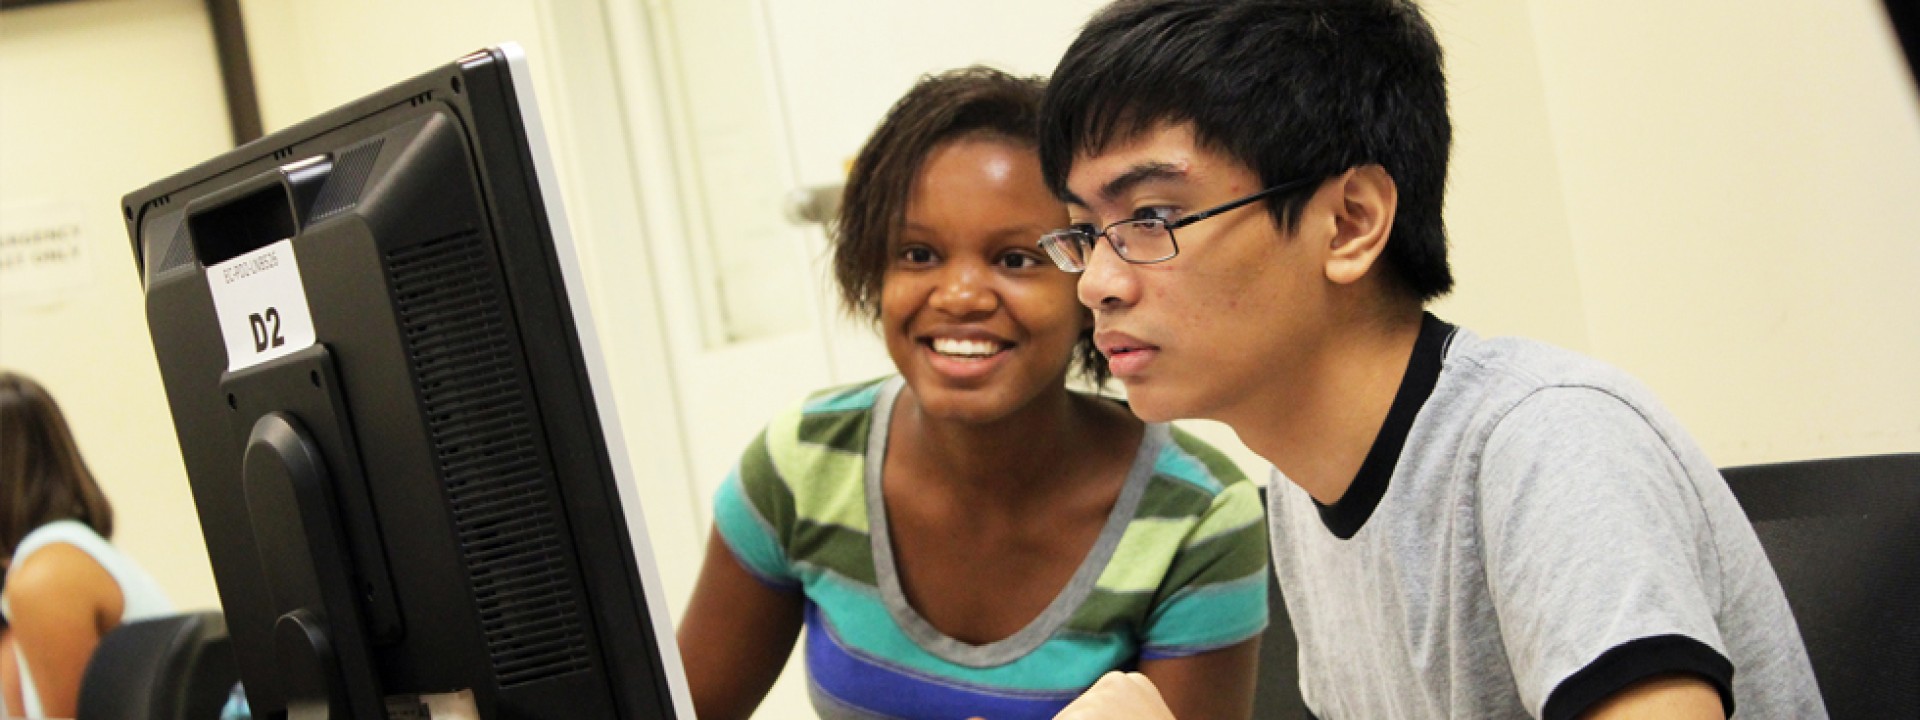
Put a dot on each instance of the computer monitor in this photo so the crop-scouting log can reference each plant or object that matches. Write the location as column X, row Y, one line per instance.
column 374, row 336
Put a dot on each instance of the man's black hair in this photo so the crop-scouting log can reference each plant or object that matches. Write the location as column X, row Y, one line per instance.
column 1290, row 88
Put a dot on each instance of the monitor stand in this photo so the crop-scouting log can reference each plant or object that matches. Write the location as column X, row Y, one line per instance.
column 321, row 637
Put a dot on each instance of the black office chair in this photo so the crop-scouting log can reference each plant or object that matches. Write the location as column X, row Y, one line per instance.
column 1844, row 537
column 178, row 667
column 1277, row 694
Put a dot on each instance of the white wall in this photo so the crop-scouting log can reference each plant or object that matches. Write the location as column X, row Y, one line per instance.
column 1741, row 184
column 98, row 99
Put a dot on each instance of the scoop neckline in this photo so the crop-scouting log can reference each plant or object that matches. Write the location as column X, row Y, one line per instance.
column 1057, row 612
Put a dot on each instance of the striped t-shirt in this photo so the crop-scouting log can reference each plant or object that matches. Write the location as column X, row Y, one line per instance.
column 1179, row 569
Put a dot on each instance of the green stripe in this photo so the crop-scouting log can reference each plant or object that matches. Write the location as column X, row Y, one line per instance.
column 763, row 486
column 842, row 431
column 1226, row 558
column 835, row 548
column 1106, row 611
column 826, row 483
column 1146, row 550
column 1232, row 509
column 1064, row 662
column 1169, row 497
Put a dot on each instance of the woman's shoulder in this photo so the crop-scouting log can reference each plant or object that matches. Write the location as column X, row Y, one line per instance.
column 1190, row 458
column 61, row 532
column 68, row 556
column 859, row 397
column 56, row 573
column 836, row 417
column 822, row 432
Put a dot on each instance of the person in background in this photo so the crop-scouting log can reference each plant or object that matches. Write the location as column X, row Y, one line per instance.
column 970, row 537
column 66, row 586
column 10, row 697
column 1462, row 526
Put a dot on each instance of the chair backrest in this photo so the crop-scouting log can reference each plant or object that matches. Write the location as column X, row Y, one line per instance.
column 1844, row 537
column 178, row 667
column 1277, row 695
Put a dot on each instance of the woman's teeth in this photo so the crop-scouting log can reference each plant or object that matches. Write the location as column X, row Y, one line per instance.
column 965, row 348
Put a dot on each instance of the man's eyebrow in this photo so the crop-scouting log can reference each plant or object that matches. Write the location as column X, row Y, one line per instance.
column 1138, row 175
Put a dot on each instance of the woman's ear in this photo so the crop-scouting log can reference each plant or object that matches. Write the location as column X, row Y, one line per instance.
column 1363, row 218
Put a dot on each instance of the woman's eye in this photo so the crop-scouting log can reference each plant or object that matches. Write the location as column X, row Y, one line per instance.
column 1019, row 260
column 916, row 255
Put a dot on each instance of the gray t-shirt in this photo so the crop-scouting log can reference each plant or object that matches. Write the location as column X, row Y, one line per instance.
column 1531, row 533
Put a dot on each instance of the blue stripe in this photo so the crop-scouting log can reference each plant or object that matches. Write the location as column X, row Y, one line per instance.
column 1210, row 617
column 856, row 399
column 749, row 536
column 1066, row 661
column 1177, row 463
column 860, row 681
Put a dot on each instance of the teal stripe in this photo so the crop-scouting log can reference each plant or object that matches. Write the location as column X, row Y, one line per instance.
column 1176, row 463
column 1068, row 661
column 1211, row 616
column 747, row 534
column 855, row 399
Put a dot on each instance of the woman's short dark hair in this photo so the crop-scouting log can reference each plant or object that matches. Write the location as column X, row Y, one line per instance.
column 42, row 477
column 1290, row 88
column 965, row 103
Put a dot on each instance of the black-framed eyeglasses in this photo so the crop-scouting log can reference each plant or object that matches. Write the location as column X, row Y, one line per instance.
column 1141, row 241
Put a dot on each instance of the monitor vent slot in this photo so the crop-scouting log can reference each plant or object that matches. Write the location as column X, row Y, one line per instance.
column 347, row 181
column 490, row 457
column 171, row 235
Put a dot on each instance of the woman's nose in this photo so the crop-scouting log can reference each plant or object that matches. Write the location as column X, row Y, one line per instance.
column 965, row 290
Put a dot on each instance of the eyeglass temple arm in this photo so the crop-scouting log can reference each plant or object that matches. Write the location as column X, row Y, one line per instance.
column 1262, row 195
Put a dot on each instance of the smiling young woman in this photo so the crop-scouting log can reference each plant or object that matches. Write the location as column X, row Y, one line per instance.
column 970, row 537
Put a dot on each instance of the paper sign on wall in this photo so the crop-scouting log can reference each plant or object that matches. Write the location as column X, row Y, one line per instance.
column 43, row 258
column 261, row 305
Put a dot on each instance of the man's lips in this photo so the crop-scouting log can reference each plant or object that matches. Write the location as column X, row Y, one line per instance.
column 1127, row 356
column 1113, row 344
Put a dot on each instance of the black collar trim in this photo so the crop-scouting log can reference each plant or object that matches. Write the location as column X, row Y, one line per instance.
column 1345, row 516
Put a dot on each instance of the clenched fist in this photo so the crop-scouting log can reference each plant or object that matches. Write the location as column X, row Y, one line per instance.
column 1118, row 696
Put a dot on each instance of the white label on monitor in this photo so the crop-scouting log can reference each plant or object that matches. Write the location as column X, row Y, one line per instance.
column 438, row 706
column 261, row 305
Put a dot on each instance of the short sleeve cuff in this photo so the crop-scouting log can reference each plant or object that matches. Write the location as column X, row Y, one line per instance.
column 750, row 538
column 1637, row 660
column 1209, row 618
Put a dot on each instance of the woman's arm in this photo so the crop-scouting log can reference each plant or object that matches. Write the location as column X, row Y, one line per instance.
column 1215, row 685
column 12, row 703
column 62, row 602
column 736, row 635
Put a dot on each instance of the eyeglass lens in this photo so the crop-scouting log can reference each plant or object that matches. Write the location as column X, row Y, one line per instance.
column 1141, row 241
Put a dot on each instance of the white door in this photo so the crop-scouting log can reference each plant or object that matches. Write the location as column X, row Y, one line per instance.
column 733, row 107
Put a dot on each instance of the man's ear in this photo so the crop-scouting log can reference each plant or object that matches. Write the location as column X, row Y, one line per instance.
column 1362, row 218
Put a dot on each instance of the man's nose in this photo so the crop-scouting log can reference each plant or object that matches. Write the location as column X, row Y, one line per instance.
column 1108, row 283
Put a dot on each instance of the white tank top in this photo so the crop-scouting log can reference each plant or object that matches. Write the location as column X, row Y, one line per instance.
column 143, row 597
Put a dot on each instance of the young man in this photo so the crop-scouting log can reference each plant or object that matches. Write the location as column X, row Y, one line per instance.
column 1466, row 527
